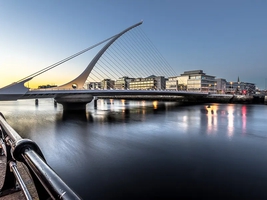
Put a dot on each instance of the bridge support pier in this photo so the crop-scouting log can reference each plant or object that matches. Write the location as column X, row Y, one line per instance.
column 95, row 102
column 55, row 103
column 74, row 103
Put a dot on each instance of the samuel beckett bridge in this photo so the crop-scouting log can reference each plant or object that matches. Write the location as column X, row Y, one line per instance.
column 122, row 56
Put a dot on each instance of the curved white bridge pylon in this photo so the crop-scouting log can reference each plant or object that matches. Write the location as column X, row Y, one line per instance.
column 79, row 82
column 16, row 90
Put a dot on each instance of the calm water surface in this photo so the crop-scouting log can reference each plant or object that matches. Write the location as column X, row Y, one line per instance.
column 146, row 150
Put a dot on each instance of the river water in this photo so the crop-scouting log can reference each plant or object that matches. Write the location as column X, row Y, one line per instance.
column 146, row 150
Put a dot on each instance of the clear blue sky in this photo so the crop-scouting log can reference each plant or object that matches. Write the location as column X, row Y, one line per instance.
column 225, row 38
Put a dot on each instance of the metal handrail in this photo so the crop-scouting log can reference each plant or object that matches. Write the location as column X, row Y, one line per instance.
column 28, row 152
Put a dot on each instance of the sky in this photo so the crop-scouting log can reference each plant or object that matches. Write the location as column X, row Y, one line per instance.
column 224, row 38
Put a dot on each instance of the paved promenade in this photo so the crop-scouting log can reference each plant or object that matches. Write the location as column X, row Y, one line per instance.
column 25, row 176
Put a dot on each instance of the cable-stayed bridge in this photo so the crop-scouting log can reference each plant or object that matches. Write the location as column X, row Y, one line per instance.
column 129, row 55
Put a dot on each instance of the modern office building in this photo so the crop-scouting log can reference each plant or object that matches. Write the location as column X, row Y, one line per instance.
column 123, row 83
column 199, row 82
column 94, row 86
column 220, row 86
column 172, row 83
column 193, row 81
column 151, row 82
column 177, row 83
column 107, row 84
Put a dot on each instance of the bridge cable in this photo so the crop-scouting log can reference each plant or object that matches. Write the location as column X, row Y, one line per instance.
column 137, row 57
column 133, row 55
column 158, row 52
column 65, row 60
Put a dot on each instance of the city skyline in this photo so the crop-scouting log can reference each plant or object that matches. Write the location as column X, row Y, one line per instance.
column 224, row 38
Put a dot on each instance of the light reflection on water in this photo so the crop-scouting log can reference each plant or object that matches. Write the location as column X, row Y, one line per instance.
column 143, row 149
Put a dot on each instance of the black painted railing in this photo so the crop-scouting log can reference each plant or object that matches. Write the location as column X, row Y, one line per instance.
column 16, row 149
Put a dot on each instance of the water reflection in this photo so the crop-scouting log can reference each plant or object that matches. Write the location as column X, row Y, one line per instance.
column 155, row 104
column 216, row 118
column 230, row 119
column 244, row 119
column 212, row 118
column 117, row 148
column 70, row 115
column 229, row 116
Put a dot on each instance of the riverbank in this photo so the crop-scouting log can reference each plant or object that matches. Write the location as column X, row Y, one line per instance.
column 211, row 98
column 243, row 99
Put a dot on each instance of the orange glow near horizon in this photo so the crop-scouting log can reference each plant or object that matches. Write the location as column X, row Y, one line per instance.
column 34, row 83
column 11, row 74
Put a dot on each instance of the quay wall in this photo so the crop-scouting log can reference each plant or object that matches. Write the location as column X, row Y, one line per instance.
column 212, row 98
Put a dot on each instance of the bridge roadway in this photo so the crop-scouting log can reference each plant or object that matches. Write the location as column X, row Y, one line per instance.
column 50, row 93
column 69, row 97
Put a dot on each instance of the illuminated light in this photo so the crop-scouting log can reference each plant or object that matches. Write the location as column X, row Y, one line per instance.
column 155, row 104
column 74, row 86
column 123, row 101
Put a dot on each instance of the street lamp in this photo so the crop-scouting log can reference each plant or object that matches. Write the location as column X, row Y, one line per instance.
column 231, row 86
column 215, row 85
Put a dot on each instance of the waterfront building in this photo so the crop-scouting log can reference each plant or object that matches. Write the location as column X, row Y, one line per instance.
column 123, row 83
column 172, row 83
column 151, row 82
column 107, row 84
column 182, row 82
column 94, row 86
column 220, row 85
column 177, row 83
column 239, row 87
column 193, row 81
column 199, row 81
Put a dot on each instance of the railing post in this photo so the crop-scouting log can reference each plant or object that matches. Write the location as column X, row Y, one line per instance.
column 9, row 185
column 14, row 169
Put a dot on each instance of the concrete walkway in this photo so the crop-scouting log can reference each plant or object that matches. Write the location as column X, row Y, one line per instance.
column 25, row 176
